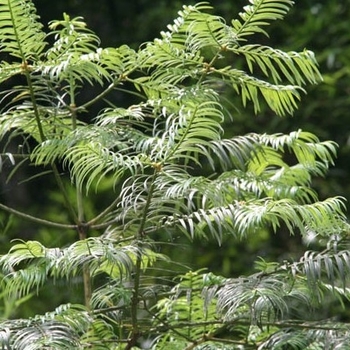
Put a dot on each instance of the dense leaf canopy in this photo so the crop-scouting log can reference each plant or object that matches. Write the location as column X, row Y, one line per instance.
column 167, row 170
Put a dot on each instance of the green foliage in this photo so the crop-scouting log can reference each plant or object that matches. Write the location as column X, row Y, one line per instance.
column 21, row 36
column 171, row 171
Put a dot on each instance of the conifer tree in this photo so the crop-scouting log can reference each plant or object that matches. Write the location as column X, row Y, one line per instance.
column 149, row 155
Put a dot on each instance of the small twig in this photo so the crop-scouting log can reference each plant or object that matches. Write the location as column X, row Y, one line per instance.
column 103, row 213
column 100, row 96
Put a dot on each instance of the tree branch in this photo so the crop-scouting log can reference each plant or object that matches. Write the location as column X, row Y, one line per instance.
column 135, row 298
column 36, row 219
